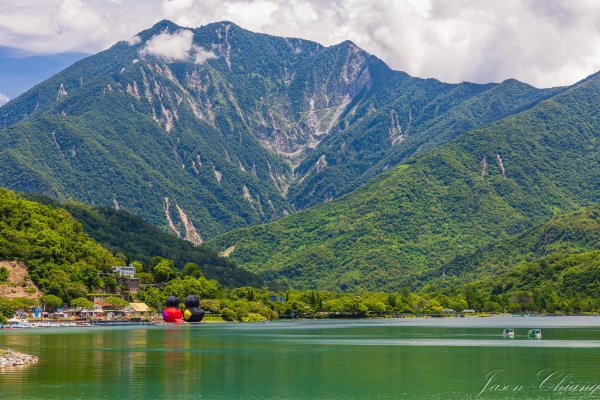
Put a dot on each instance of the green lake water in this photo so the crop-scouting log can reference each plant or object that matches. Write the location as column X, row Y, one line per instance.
column 453, row 358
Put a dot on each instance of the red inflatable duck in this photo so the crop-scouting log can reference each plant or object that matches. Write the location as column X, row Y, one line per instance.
column 172, row 313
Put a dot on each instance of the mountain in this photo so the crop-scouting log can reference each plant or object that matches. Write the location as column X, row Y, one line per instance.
column 127, row 234
column 485, row 185
column 403, row 118
column 200, row 131
column 65, row 247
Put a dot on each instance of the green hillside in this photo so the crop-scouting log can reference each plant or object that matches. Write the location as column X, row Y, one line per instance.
column 62, row 259
column 65, row 247
column 571, row 233
column 137, row 239
column 568, row 283
column 406, row 117
column 486, row 185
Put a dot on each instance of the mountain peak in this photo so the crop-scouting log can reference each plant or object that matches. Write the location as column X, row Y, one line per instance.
column 223, row 23
column 159, row 27
column 347, row 43
column 164, row 24
column 515, row 82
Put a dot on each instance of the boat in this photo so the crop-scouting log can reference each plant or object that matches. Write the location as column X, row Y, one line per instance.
column 534, row 334
column 508, row 332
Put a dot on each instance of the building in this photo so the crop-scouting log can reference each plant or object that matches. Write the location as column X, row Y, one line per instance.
column 128, row 271
column 131, row 285
column 448, row 311
column 139, row 308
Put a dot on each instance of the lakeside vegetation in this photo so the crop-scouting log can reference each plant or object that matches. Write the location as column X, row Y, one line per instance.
column 552, row 268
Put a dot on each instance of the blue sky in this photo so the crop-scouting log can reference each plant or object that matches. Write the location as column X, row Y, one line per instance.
column 541, row 42
column 20, row 71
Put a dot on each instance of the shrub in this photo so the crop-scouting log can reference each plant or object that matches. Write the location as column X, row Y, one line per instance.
column 3, row 274
column 228, row 314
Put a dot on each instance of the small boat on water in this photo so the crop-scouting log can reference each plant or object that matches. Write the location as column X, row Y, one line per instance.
column 534, row 334
column 508, row 332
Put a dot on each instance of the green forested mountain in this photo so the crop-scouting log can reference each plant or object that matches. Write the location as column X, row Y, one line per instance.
column 404, row 117
column 242, row 130
column 486, row 185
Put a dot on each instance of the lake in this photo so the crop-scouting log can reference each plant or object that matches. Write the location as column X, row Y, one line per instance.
column 451, row 358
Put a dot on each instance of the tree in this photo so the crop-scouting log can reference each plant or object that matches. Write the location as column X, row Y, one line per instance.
column 139, row 267
column 3, row 274
column 75, row 290
column 163, row 271
column 88, row 274
column 152, row 296
column 117, row 302
column 457, row 304
column 191, row 269
column 201, row 287
column 7, row 309
column 145, row 277
column 51, row 302
column 110, row 282
column 392, row 300
column 211, row 305
column 375, row 306
column 82, row 302
column 228, row 314
column 23, row 303
column 473, row 298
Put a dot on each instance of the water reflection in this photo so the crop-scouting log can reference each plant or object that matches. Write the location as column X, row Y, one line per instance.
column 345, row 360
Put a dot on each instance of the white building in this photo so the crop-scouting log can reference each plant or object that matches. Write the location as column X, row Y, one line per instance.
column 128, row 271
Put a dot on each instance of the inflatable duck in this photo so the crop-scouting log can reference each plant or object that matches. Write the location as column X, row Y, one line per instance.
column 193, row 312
column 172, row 313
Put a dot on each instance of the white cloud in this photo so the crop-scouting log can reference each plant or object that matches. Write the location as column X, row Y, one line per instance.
column 171, row 47
column 200, row 55
column 134, row 40
column 178, row 46
column 3, row 99
column 543, row 42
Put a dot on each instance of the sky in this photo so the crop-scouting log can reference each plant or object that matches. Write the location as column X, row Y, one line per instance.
column 542, row 42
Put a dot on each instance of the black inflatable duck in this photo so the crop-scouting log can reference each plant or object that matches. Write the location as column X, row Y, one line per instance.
column 193, row 312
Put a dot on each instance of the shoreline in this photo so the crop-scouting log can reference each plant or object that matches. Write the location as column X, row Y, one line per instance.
column 210, row 321
column 11, row 358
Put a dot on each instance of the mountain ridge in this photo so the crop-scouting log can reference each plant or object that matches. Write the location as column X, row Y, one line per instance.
column 266, row 126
